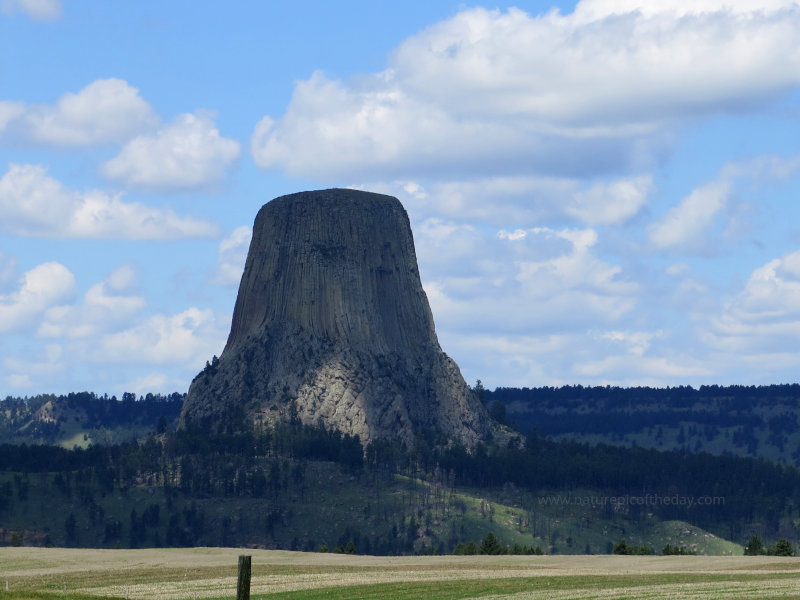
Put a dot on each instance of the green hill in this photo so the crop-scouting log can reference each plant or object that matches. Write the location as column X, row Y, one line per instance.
column 752, row 421
column 291, row 486
column 316, row 504
column 300, row 487
column 80, row 419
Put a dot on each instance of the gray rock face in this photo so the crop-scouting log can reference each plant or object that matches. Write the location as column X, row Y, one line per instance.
column 331, row 323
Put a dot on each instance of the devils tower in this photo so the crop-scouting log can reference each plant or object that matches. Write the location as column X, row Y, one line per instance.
column 332, row 326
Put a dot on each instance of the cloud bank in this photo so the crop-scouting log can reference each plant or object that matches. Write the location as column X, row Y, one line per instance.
column 105, row 111
column 34, row 204
column 505, row 92
column 39, row 289
column 187, row 154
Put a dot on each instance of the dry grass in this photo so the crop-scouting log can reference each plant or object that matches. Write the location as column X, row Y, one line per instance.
column 173, row 574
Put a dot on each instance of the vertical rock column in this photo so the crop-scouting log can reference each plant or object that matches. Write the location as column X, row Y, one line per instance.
column 331, row 321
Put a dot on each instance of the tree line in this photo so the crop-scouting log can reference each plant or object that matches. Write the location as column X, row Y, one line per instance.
column 264, row 463
column 21, row 419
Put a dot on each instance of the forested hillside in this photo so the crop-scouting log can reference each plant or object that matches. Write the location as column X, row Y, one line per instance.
column 269, row 489
column 754, row 421
column 79, row 419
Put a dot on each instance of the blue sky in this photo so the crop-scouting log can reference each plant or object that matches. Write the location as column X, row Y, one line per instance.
column 601, row 192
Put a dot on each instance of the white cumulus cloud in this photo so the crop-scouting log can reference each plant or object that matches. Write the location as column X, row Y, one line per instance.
column 597, row 357
column 9, row 111
column 186, row 154
column 34, row 204
column 105, row 111
column 41, row 288
column 151, row 382
column 503, row 91
column 525, row 281
column 109, row 324
column 523, row 200
column 610, row 203
column 578, row 270
column 688, row 226
column 592, row 10
column 757, row 329
column 232, row 256
column 187, row 338
column 105, row 305
column 685, row 225
column 38, row 10
column 767, row 307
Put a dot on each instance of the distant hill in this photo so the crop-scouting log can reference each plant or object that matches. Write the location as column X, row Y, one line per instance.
column 748, row 421
column 754, row 421
column 79, row 419
column 268, row 487
column 302, row 487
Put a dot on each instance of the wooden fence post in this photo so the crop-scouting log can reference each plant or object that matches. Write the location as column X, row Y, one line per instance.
column 243, row 586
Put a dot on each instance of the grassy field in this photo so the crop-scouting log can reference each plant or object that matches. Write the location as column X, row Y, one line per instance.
column 66, row 574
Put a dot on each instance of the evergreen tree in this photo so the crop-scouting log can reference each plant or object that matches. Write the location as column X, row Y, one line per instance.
column 782, row 548
column 754, row 546
column 490, row 545
column 468, row 549
column 70, row 528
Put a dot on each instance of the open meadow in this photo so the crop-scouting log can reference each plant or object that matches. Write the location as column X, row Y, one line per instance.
column 203, row 573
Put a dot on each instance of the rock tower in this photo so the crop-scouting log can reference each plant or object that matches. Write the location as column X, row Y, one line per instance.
column 331, row 324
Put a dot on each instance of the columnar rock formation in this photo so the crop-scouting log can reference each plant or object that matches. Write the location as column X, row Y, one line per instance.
column 332, row 324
